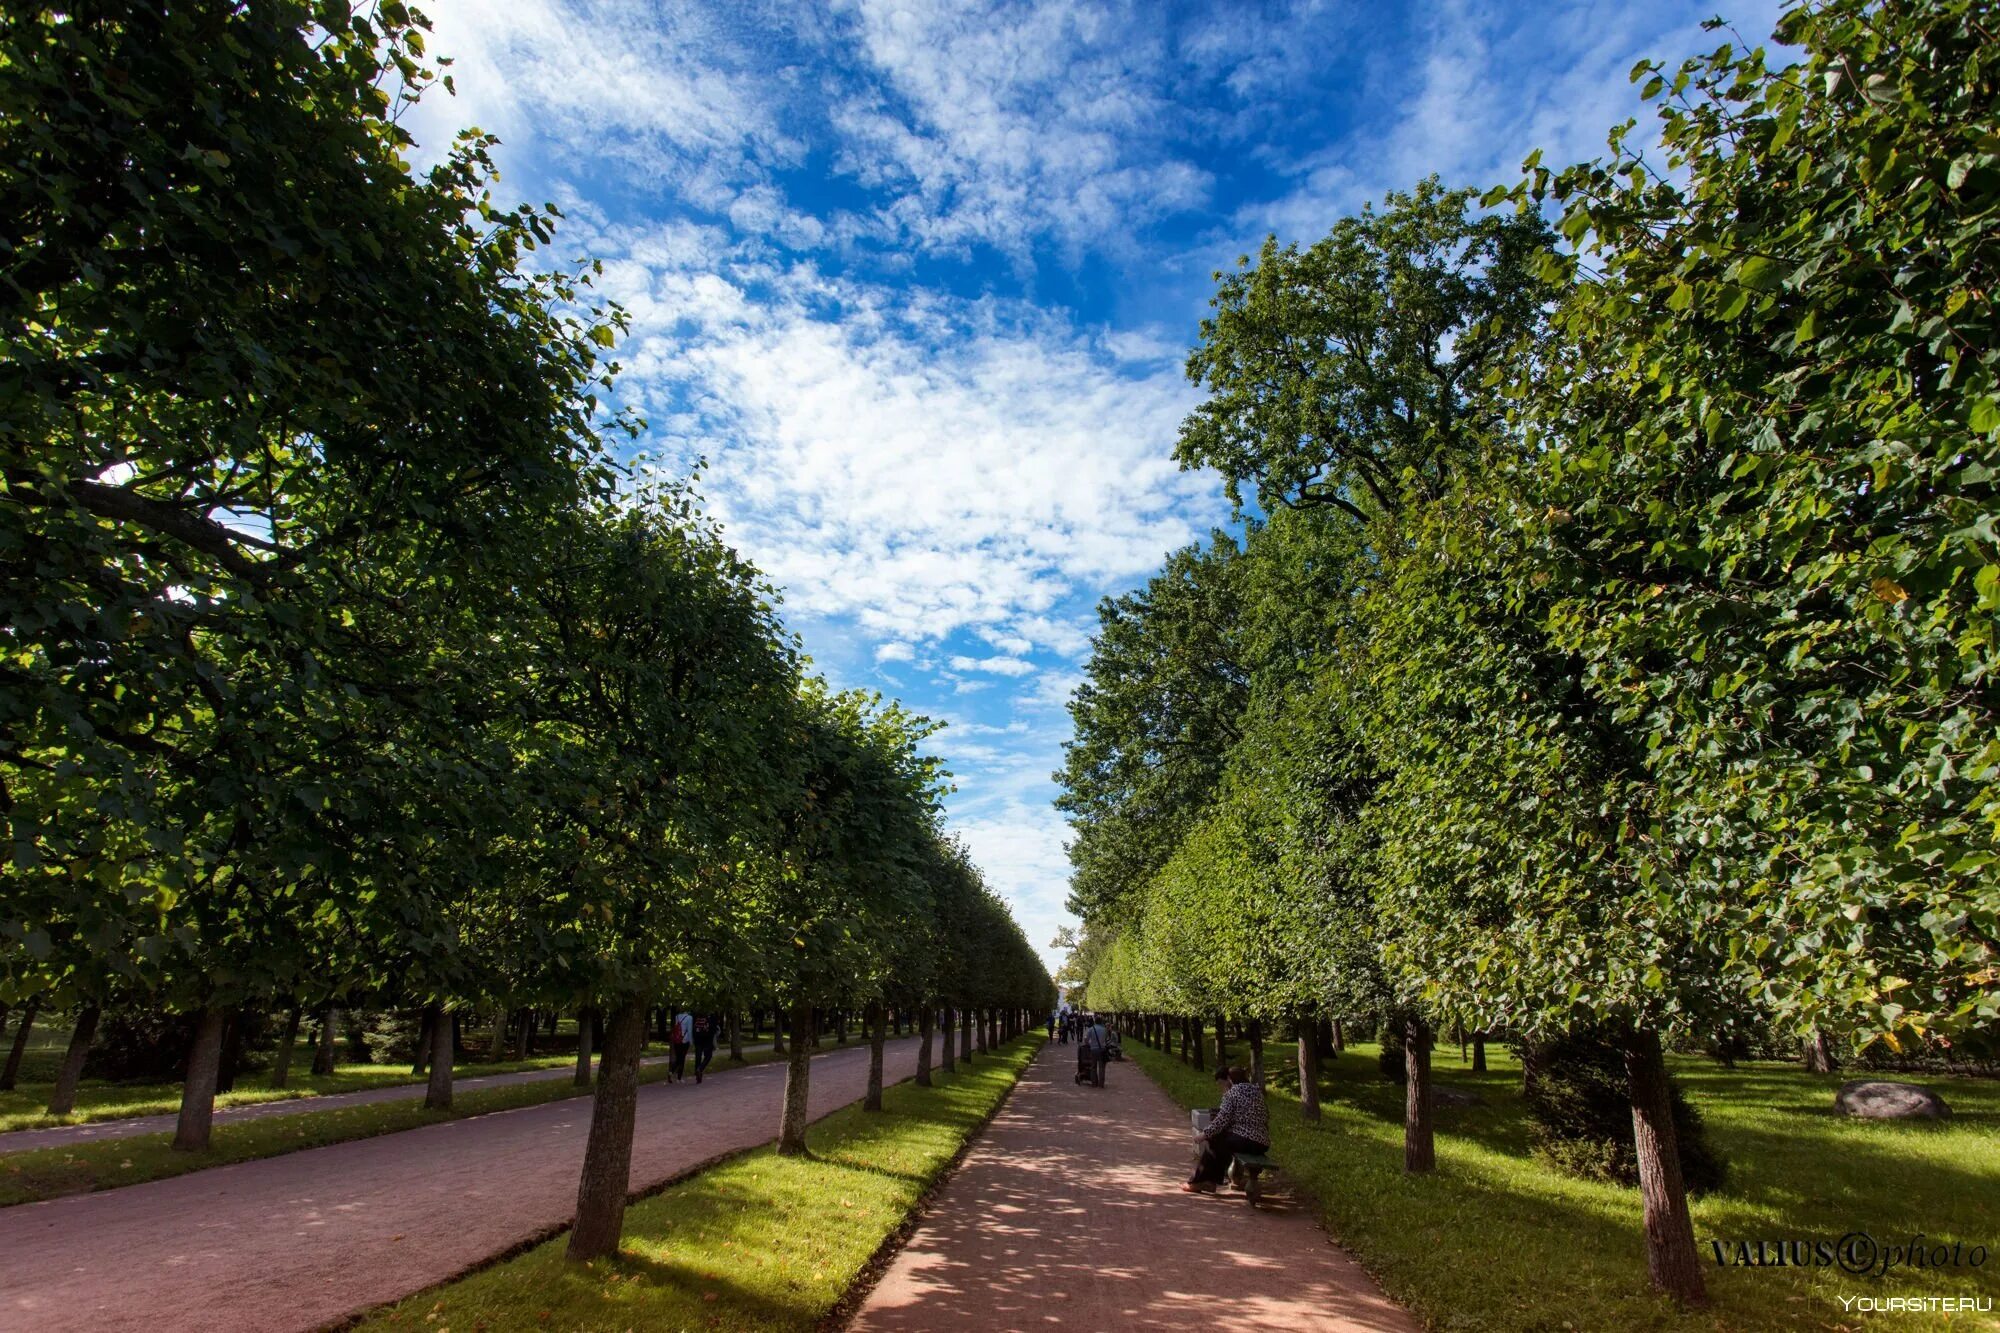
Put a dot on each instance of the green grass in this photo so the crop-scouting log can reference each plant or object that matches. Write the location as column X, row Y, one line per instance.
column 755, row 1242
column 1496, row 1239
column 47, row 1173
column 26, row 1106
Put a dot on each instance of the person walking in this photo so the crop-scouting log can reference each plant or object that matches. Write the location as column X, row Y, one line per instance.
column 704, row 1042
column 679, row 1037
column 1241, row 1124
column 1052, row 1025
column 1098, row 1040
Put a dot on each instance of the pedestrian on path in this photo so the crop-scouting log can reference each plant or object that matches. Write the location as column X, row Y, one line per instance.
column 1098, row 1041
column 1241, row 1124
column 704, row 1041
column 679, row 1037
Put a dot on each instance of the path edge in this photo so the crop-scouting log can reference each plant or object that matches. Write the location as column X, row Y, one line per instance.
column 548, row 1234
column 844, row 1310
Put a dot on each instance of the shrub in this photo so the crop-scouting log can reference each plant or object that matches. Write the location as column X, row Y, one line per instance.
column 1581, row 1115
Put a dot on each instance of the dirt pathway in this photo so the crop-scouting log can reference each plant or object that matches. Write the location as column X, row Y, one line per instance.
column 295, row 1242
column 97, row 1131
column 1068, row 1211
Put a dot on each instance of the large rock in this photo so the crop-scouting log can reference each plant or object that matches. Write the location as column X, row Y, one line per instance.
column 1445, row 1095
column 1881, row 1099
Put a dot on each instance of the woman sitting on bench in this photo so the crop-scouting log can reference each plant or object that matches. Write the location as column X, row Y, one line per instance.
column 1240, row 1125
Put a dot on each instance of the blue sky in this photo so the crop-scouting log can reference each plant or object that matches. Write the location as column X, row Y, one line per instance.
column 916, row 279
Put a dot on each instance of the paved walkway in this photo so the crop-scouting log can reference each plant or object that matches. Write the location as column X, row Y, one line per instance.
column 300, row 1241
column 98, row 1131
column 1068, row 1211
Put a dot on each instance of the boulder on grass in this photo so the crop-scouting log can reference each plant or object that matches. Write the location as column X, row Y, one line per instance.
column 1445, row 1095
column 1882, row 1099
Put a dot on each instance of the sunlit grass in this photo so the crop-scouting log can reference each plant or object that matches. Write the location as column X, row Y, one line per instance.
column 755, row 1242
column 1496, row 1239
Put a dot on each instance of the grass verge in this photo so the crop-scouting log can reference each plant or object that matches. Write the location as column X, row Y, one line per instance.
column 47, row 1173
column 757, row 1241
column 26, row 1106
column 1497, row 1239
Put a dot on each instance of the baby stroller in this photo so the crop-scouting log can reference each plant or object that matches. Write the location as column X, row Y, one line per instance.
column 1086, row 1063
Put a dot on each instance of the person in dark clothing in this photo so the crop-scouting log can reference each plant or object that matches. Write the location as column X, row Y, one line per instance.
column 704, row 1042
column 1241, row 1124
column 1098, row 1040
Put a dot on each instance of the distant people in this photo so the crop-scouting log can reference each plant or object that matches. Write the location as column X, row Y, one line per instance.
column 704, row 1042
column 679, row 1037
column 1099, row 1043
column 1052, row 1025
column 1241, row 1124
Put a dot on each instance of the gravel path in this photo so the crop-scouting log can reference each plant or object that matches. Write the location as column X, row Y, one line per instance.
column 98, row 1131
column 1068, row 1212
column 299, row 1241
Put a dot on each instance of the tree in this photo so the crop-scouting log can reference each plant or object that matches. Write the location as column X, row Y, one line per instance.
column 1155, row 715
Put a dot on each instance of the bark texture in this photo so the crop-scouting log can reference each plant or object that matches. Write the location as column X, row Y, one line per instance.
column 62, row 1100
column 1419, row 1147
column 329, row 1033
column 877, row 1033
column 1308, row 1070
column 925, row 1021
column 281, row 1065
column 949, row 1060
column 1671, row 1259
column 191, row 1132
column 20, row 1047
column 607, row 1156
column 437, row 1093
column 798, row 1085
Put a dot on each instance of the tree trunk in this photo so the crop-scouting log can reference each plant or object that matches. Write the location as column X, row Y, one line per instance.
column 607, row 1156
column 437, row 1096
column 735, row 1037
column 12, row 1072
column 281, row 1065
column 496, row 1040
column 1819, row 1054
column 777, row 1032
column 583, row 1022
column 1308, row 1069
column 965, row 1035
column 204, row 1061
column 1256, row 1040
column 232, row 1052
column 1671, row 1259
column 426, row 1038
column 1333, row 1037
column 878, row 1030
column 62, row 1100
column 924, row 1023
column 1221, row 1042
column 982, row 1021
column 1479, row 1052
column 524, row 1041
column 329, row 1033
column 949, row 1060
column 798, row 1085
column 1419, row 1150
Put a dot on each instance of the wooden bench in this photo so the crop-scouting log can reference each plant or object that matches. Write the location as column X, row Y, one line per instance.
column 1246, row 1168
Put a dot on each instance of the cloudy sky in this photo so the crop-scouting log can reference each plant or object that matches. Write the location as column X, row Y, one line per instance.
column 916, row 279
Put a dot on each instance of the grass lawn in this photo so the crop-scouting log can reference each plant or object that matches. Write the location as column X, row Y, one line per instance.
column 45, row 1173
column 755, row 1242
column 1498, row 1240
column 26, row 1107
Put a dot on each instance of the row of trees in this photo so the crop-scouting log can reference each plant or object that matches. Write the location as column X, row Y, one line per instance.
column 1611, row 646
column 340, row 658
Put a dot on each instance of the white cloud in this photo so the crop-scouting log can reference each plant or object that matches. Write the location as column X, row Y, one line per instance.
column 1022, row 848
column 1000, row 666
column 894, row 652
column 995, row 123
